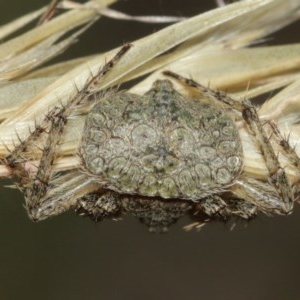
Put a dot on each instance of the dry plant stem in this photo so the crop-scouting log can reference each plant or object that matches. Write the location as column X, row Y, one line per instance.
column 277, row 174
column 220, row 3
column 145, row 19
column 35, row 116
column 54, row 123
column 49, row 13
column 70, row 19
column 60, row 90
column 170, row 37
column 7, row 29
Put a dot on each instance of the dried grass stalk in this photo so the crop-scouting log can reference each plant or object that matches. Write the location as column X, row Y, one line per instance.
column 210, row 47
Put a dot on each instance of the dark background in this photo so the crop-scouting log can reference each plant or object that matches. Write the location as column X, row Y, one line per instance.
column 68, row 257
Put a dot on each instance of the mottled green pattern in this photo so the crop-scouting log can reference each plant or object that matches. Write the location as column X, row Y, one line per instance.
column 161, row 144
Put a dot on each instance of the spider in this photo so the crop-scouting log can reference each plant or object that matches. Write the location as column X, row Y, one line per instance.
column 158, row 156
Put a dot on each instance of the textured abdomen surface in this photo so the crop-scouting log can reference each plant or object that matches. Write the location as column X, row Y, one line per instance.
column 161, row 144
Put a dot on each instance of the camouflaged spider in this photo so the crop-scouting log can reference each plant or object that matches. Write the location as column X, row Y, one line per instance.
column 158, row 156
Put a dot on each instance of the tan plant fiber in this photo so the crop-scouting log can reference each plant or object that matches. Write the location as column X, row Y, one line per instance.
column 212, row 48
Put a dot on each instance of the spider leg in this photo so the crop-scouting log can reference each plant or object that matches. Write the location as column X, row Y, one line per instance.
column 36, row 186
column 290, row 153
column 261, row 194
column 239, row 208
column 278, row 177
column 283, row 142
column 157, row 214
column 211, row 205
column 99, row 206
column 63, row 193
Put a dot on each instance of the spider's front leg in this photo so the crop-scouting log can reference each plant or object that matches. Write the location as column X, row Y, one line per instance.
column 45, row 195
column 62, row 194
column 278, row 177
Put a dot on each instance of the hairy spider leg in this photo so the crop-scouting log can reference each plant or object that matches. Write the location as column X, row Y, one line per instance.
column 35, row 186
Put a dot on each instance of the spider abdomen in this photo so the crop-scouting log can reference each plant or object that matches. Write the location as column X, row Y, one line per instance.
column 161, row 144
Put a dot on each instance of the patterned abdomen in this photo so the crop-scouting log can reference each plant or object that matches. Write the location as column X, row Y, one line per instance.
column 161, row 144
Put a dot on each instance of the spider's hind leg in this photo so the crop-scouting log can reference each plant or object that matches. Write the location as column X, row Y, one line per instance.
column 99, row 207
column 211, row 205
column 157, row 214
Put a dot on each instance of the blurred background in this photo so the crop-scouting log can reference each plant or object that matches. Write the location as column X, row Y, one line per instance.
column 68, row 257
